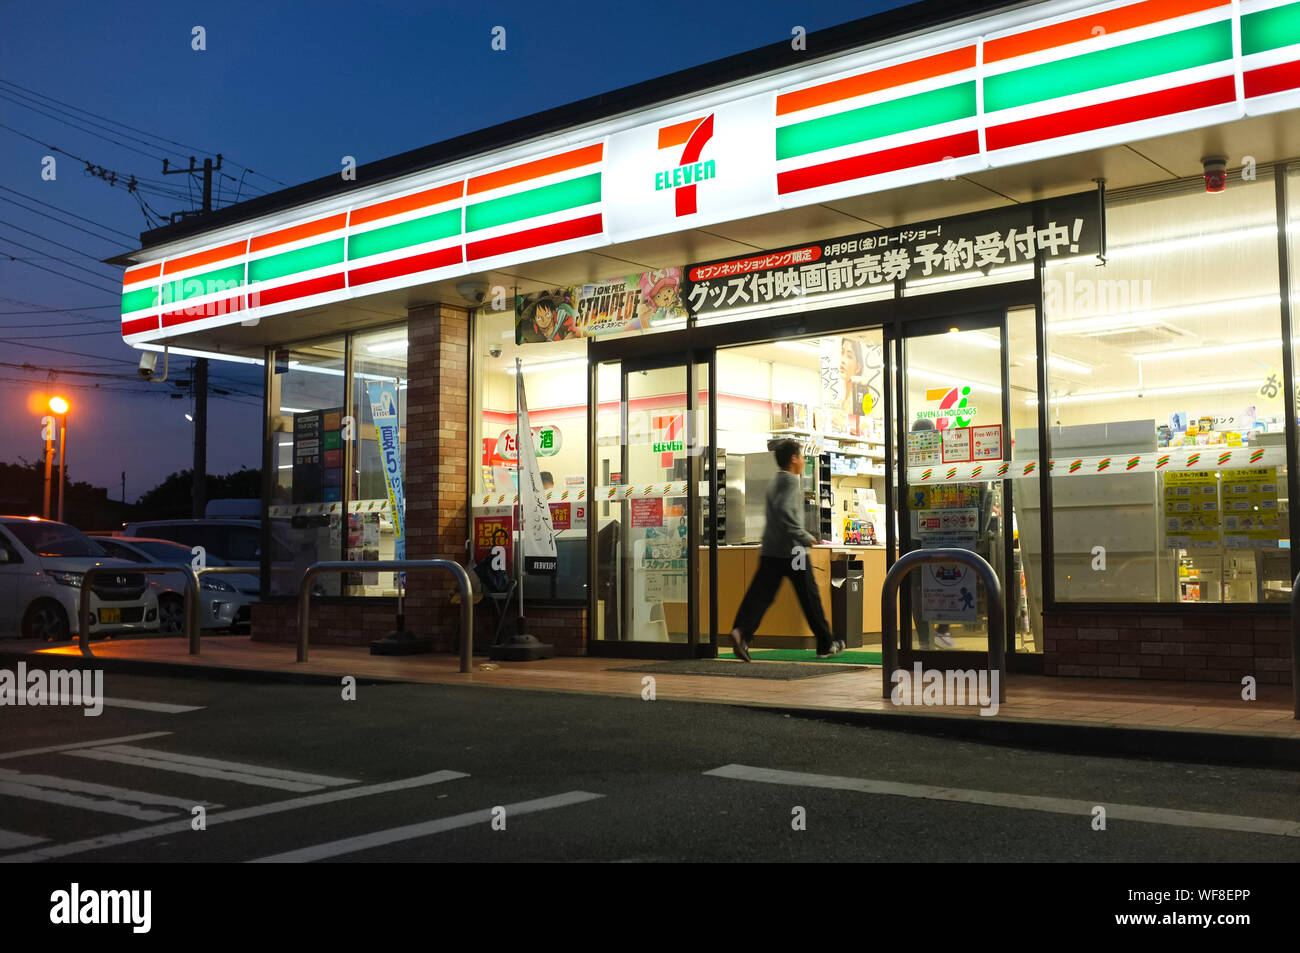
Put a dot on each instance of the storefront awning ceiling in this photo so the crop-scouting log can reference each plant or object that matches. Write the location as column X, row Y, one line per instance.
column 1017, row 105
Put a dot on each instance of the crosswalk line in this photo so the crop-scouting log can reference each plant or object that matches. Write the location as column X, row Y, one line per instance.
column 225, row 817
column 9, row 840
column 350, row 845
column 1023, row 802
column 258, row 775
column 103, row 790
column 167, row 708
column 81, row 802
column 49, row 749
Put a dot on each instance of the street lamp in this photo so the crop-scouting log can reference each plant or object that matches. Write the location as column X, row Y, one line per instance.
column 59, row 407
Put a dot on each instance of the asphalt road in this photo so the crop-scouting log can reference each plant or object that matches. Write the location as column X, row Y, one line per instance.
column 413, row 773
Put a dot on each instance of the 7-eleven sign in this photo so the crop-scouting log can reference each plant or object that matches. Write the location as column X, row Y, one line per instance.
column 689, row 171
column 670, row 437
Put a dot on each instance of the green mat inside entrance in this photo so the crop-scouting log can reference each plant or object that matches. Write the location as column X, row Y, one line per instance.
column 847, row 657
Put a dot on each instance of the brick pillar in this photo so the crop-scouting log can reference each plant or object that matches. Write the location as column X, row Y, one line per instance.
column 437, row 446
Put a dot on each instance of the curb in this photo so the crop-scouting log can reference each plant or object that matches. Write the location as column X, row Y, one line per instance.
column 1162, row 744
column 1068, row 737
column 185, row 670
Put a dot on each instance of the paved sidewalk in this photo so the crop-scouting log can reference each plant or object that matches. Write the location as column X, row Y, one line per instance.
column 1209, row 711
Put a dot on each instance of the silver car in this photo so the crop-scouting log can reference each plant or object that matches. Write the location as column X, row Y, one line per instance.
column 224, row 600
column 42, row 564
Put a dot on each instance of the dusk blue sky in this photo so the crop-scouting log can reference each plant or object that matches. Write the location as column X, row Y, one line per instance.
column 283, row 88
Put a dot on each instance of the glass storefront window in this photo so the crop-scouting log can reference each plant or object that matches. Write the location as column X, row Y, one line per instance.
column 555, row 381
column 307, row 407
column 1166, row 411
column 378, row 380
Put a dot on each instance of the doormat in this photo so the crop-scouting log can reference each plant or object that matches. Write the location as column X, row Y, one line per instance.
column 777, row 671
column 847, row 657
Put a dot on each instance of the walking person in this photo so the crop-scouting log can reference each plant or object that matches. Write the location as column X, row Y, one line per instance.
column 784, row 556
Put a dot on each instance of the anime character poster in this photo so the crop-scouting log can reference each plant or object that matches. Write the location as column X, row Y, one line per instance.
column 631, row 303
column 546, row 316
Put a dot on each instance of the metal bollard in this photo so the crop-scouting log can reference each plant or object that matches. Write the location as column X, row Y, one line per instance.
column 391, row 565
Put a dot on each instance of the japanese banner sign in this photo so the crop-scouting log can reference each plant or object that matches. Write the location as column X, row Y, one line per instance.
column 538, row 533
column 383, row 409
column 964, row 244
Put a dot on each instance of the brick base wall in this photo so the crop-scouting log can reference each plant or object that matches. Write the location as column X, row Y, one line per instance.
column 339, row 624
column 1182, row 646
column 359, row 624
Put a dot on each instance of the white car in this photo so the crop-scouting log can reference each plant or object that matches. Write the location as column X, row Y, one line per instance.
column 42, row 563
column 224, row 600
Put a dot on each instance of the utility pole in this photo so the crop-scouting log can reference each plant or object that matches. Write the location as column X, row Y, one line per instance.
column 200, row 376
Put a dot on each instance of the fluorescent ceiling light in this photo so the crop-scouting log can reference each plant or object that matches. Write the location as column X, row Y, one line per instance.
column 1126, row 320
column 1203, row 386
column 211, row 355
column 979, row 339
column 1162, row 246
column 1067, row 365
column 1208, row 351
column 550, row 365
column 387, row 347
column 295, row 410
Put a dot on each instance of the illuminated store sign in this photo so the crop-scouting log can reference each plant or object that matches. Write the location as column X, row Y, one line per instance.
column 1030, row 83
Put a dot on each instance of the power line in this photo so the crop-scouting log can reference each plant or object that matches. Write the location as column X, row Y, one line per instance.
column 55, row 337
column 89, row 319
column 107, row 228
column 124, row 125
column 92, row 132
column 94, row 357
column 59, row 273
column 70, row 264
column 84, row 307
column 94, row 258
column 58, row 324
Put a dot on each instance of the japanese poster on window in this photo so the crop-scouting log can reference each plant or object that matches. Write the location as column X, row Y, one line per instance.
column 924, row 448
column 1192, row 510
column 948, row 593
column 1250, row 511
column 630, row 303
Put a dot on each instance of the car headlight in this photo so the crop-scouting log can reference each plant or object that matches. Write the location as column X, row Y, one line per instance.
column 68, row 578
column 217, row 585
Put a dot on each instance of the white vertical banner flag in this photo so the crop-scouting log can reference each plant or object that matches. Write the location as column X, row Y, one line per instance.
column 537, row 532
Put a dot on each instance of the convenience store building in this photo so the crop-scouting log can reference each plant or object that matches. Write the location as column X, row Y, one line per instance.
column 967, row 254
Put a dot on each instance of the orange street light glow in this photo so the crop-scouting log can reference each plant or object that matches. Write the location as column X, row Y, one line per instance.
column 58, row 405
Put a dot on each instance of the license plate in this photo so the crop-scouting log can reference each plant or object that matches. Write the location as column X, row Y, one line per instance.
column 110, row 615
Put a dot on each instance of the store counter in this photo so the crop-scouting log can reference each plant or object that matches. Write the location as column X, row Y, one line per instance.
column 783, row 625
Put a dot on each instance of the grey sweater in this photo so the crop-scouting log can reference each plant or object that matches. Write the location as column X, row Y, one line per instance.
column 784, row 529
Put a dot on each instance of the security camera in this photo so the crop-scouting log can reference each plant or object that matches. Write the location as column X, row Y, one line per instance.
column 494, row 350
column 148, row 361
column 1216, row 174
column 475, row 291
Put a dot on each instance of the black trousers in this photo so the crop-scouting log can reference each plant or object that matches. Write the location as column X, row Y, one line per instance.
column 767, row 583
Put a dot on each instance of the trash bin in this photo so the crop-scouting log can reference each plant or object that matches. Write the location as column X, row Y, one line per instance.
column 846, row 601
